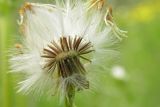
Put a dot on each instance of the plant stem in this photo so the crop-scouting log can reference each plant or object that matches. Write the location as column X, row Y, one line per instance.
column 69, row 98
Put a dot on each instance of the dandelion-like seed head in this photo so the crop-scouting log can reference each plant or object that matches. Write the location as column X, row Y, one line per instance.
column 62, row 46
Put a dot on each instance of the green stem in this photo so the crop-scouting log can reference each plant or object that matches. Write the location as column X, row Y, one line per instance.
column 69, row 98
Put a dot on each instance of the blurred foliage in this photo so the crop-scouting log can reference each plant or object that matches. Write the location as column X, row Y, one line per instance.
column 140, row 56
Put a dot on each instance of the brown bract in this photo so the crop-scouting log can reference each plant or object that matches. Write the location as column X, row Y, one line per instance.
column 66, row 55
column 25, row 7
column 98, row 4
column 109, row 15
column 18, row 46
column 22, row 11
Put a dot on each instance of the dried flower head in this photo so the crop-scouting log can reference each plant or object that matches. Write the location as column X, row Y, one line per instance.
column 62, row 45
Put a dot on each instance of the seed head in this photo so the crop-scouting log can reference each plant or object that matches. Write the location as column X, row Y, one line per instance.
column 63, row 46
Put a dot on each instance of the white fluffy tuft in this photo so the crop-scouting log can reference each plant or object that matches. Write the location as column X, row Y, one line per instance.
column 46, row 22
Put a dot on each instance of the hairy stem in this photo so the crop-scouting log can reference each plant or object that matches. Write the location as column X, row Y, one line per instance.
column 69, row 98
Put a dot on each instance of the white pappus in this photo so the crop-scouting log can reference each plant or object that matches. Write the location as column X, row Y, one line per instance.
column 61, row 46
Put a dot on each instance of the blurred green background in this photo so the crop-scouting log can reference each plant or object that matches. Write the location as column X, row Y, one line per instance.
column 140, row 57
